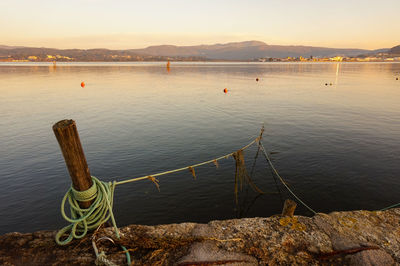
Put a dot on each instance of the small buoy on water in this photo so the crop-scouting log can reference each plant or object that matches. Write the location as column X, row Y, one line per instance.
column 225, row 90
column 256, row 79
column 82, row 84
column 397, row 78
column 326, row 84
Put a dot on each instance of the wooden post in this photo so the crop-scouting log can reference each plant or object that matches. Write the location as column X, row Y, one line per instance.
column 71, row 147
column 288, row 208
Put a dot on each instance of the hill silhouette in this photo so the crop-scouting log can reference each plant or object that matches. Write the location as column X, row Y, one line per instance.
column 246, row 51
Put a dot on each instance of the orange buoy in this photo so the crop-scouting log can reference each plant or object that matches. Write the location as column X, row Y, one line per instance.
column 82, row 84
column 168, row 66
column 256, row 79
column 225, row 90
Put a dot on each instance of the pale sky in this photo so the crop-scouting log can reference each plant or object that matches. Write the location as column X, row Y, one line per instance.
column 122, row 24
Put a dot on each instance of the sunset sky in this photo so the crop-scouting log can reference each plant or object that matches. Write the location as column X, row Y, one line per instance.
column 121, row 24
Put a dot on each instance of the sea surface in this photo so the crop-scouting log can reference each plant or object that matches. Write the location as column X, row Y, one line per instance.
column 337, row 146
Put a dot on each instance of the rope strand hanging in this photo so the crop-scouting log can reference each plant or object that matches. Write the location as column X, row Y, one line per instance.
column 281, row 179
column 214, row 161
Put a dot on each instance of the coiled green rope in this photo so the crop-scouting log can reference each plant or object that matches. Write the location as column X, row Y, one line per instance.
column 84, row 220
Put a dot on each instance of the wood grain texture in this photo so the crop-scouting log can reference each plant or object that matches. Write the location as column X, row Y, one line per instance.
column 67, row 136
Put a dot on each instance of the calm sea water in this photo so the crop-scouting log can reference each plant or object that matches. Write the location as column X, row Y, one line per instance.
column 337, row 146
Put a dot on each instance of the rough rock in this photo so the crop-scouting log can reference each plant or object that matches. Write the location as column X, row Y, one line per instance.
column 345, row 238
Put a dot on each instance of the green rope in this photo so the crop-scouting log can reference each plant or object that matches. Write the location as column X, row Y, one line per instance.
column 390, row 207
column 281, row 179
column 83, row 220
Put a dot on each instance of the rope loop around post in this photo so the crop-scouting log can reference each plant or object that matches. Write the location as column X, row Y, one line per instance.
column 86, row 195
column 84, row 220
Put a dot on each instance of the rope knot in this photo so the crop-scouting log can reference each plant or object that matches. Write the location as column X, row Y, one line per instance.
column 102, row 260
column 86, row 195
column 84, row 220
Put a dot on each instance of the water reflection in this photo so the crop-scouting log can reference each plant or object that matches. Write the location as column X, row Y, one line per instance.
column 338, row 145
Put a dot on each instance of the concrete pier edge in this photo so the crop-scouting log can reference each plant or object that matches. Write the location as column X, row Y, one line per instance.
column 346, row 238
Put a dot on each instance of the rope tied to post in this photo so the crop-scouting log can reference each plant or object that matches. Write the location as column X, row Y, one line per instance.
column 83, row 220
column 102, row 193
column 100, row 211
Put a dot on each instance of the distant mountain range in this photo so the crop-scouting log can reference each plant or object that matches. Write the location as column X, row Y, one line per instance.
column 243, row 51
column 249, row 50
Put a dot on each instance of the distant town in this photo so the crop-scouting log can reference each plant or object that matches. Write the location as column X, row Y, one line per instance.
column 332, row 59
column 94, row 58
column 117, row 58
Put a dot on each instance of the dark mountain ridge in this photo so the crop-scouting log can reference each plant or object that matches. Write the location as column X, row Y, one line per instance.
column 247, row 50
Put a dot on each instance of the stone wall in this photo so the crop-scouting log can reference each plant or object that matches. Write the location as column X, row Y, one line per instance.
column 349, row 238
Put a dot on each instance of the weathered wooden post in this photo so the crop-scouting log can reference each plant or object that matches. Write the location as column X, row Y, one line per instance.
column 288, row 208
column 71, row 147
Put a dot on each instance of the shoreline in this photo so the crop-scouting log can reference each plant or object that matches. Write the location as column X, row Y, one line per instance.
column 163, row 62
column 351, row 238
